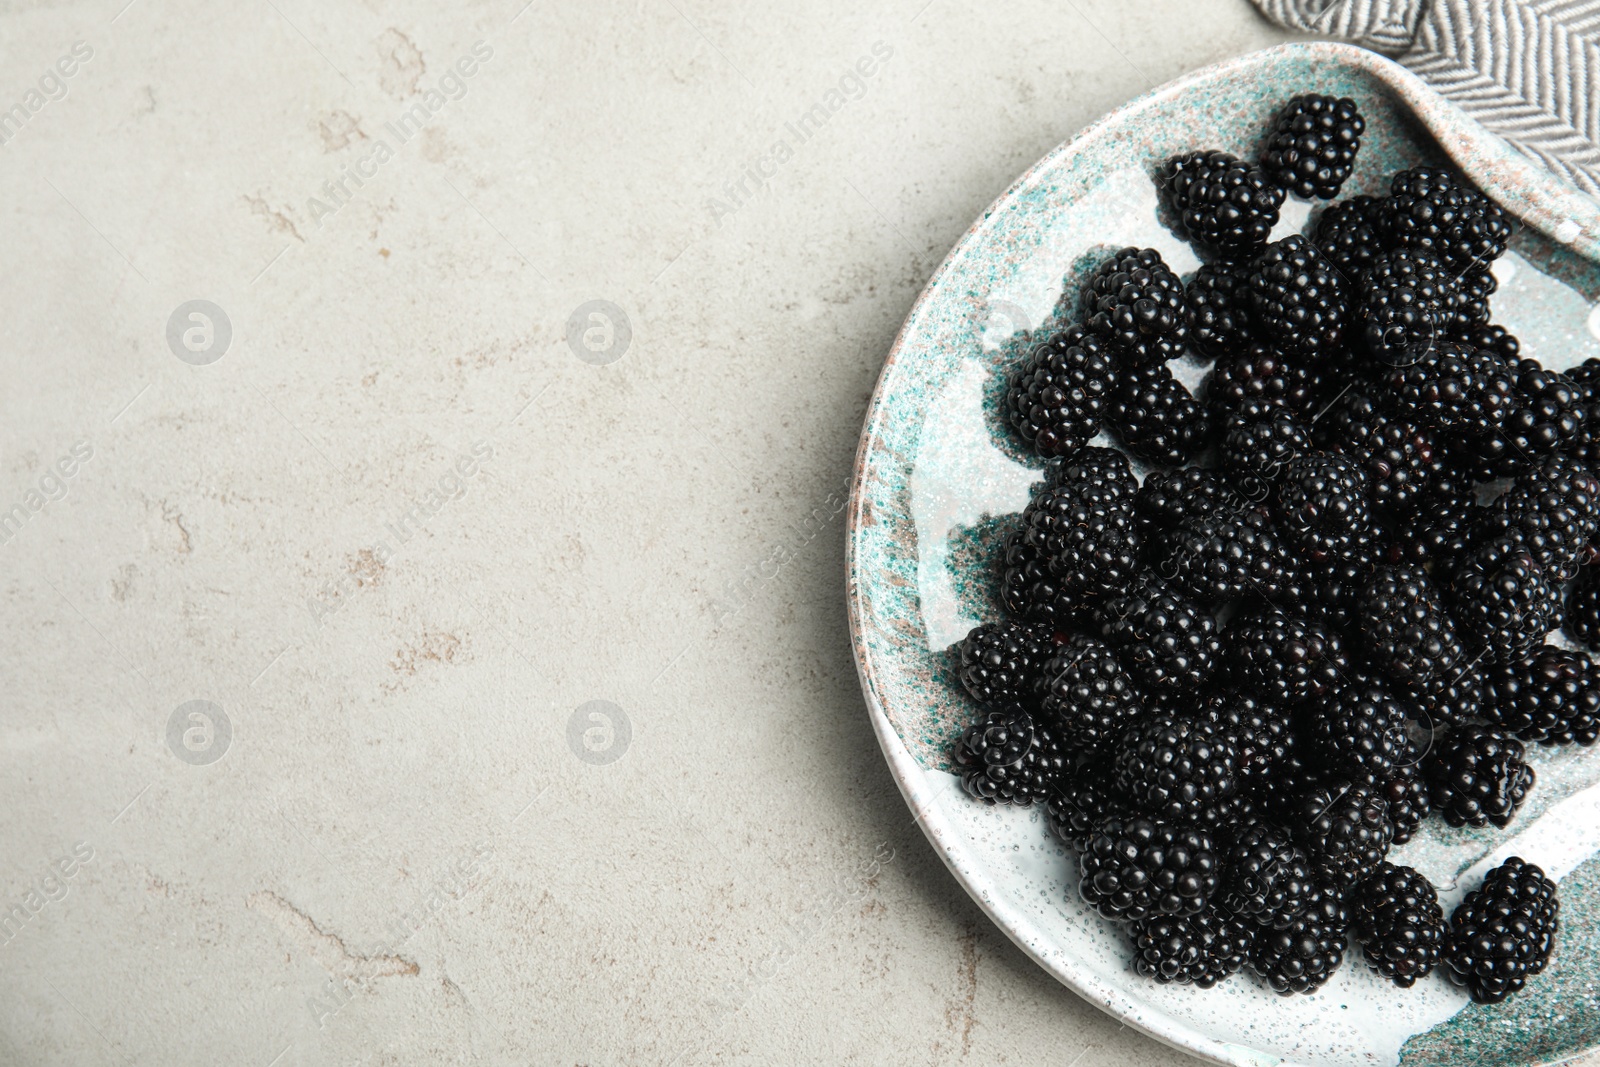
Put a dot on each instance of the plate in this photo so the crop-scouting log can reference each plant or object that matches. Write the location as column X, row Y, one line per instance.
column 938, row 480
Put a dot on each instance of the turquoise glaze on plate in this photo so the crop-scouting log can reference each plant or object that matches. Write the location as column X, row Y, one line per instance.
column 938, row 481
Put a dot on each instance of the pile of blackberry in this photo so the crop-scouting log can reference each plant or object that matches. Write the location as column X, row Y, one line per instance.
column 1319, row 622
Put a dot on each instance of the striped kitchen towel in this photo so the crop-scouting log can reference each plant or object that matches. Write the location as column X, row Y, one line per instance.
column 1526, row 69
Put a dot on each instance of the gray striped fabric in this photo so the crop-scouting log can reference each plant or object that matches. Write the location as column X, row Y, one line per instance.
column 1526, row 69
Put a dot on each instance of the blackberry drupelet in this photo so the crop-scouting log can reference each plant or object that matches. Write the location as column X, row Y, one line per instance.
column 1267, row 877
column 1408, row 297
column 1225, row 556
column 1503, row 600
column 1097, row 473
column 1136, row 868
column 1284, row 658
column 1001, row 662
column 1433, row 210
column 1169, row 498
column 1360, row 729
column 1028, row 589
column 1347, row 233
column 1503, row 932
column 1198, row 949
column 1257, row 444
column 1083, row 800
column 1219, row 308
column 1552, row 697
column 1399, row 924
column 1174, row 767
column 1476, row 776
column 1313, row 145
column 1454, row 388
column 1553, row 510
column 1090, row 544
column 1494, row 338
column 1058, row 396
column 1086, row 695
column 1258, row 730
column 1168, row 641
column 1299, row 300
column 1136, row 303
column 1156, row 416
column 1008, row 757
column 1581, row 619
column 1397, row 454
column 1344, row 828
column 1225, row 205
column 1257, row 372
column 1324, row 503
column 1302, row 956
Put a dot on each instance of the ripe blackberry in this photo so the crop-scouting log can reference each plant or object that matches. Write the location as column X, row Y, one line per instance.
column 1303, row 955
column 1085, row 694
column 1136, row 868
column 1552, row 697
column 1549, row 414
column 1268, row 877
column 1219, row 308
column 1494, row 338
column 1156, row 416
column 1327, row 589
column 1136, row 303
column 1432, row 210
column 1472, row 313
column 1168, row 641
column 1198, row 949
column 1084, row 800
column 1407, row 794
column 1360, row 729
column 1299, row 300
column 1284, row 658
column 1029, row 590
column 1439, row 534
column 1553, row 510
column 1582, row 617
column 1454, row 388
column 1058, row 396
column 1008, row 757
column 1224, row 204
column 1258, row 444
column 1345, row 829
column 1174, row 767
column 1097, row 473
column 1502, row 933
column 1313, row 145
column 1408, row 297
column 1347, row 233
column 1225, row 556
column 1399, row 924
column 1257, row 372
column 1476, row 776
column 1504, row 600
column 1411, row 637
column 1169, row 498
column 1258, row 730
column 1090, row 544
column 1323, row 502
column 1001, row 661
column 1397, row 454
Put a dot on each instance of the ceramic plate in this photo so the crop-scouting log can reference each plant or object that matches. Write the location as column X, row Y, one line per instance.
column 938, row 481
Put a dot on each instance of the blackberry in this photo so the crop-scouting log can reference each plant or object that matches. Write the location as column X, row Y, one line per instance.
column 1399, row 924
column 1084, row 800
column 1257, row 372
column 1323, row 502
column 1550, row 412
column 1472, row 314
column 1008, row 757
column 1086, row 695
column 1157, row 417
column 1397, row 454
column 1582, row 616
column 1303, row 955
column 1502, row 934
column 1219, row 308
column 1228, row 818
column 1224, row 204
column 1345, row 829
column 1553, row 510
column 1284, row 658
column 1136, row 868
column 1268, row 877
column 1552, row 697
column 1168, row 641
column 1408, row 297
column 1258, row 730
column 1136, row 303
column 1198, row 949
column 1169, row 498
column 1407, row 795
column 1096, row 473
column 1440, row 531
column 1361, row 729
column 1313, row 145
column 1494, row 338
column 1225, row 556
column 1299, row 300
column 1476, row 776
column 1029, row 590
column 1347, row 233
column 1411, row 637
column 1454, row 388
column 1459, row 694
column 1327, row 589
column 1503, row 600
column 1090, row 544
column 1430, row 209
column 1172, row 767
column 1258, row 444
column 1001, row 661
column 1058, row 396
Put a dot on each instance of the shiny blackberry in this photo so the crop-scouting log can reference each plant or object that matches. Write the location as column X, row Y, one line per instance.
column 1347, row 233
column 1001, row 662
column 1090, row 544
column 1550, row 413
column 1433, row 210
column 1397, row 454
column 1476, row 776
column 1502, row 934
column 1168, row 641
column 1344, row 828
column 1267, row 877
column 1472, row 314
column 1136, row 303
column 1258, row 730
column 1097, row 473
column 1030, row 591
column 1327, row 589
column 1494, row 338
column 1137, row 868
column 1257, row 372
column 1360, row 729
column 1058, row 396
column 1454, row 388
column 1503, row 600
column 1439, row 533
column 1198, row 950
column 1172, row 767
column 1008, row 757
column 1169, row 498
column 1225, row 205
column 1302, row 956
column 1407, row 630
column 1313, row 145
column 1581, row 617
column 1397, row 921
column 1408, row 297
column 1257, row 445
column 1553, row 510
column 1086, row 695
column 1284, row 658
column 1083, row 800
column 1225, row 556
column 1406, row 792
column 1155, row 415
column 1324, row 503
column 1219, row 308
column 1298, row 299
column 1552, row 697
